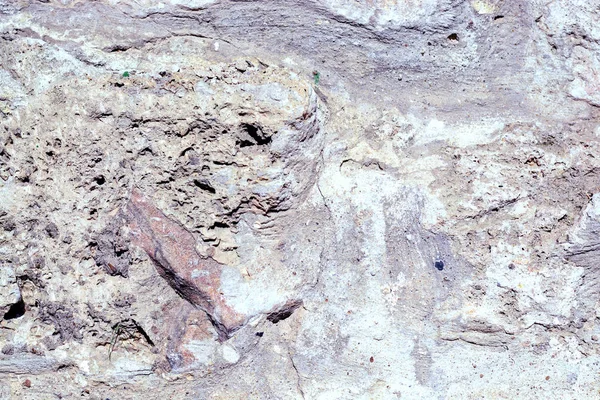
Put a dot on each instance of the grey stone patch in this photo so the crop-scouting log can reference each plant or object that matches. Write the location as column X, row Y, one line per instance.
column 29, row 364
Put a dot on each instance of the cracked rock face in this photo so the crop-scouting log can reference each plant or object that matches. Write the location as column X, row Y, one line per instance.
column 299, row 199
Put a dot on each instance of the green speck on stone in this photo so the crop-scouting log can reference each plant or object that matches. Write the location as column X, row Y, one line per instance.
column 126, row 74
column 317, row 77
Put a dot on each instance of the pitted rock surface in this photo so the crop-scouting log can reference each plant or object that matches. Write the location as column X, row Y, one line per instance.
column 294, row 199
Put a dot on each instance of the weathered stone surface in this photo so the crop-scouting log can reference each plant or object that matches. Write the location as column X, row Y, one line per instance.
column 197, row 279
column 388, row 199
column 173, row 249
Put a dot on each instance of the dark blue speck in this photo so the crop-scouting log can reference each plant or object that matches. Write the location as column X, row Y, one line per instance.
column 439, row 264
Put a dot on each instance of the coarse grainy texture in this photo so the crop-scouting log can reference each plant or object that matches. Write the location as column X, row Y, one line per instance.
column 299, row 199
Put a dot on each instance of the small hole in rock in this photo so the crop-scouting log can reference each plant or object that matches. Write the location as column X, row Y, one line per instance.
column 497, row 17
column 100, row 180
column 285, row 312
column 17, row 310
column 256, row 136
column 280, row 316
column 204, row 185
column 453, row 37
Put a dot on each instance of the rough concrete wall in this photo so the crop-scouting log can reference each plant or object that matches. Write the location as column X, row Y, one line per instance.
column 211, row 199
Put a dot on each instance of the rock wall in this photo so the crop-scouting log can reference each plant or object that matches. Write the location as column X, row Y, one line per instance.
column 218, row 199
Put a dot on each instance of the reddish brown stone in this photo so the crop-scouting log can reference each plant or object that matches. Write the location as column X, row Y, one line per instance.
column 172, row 248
